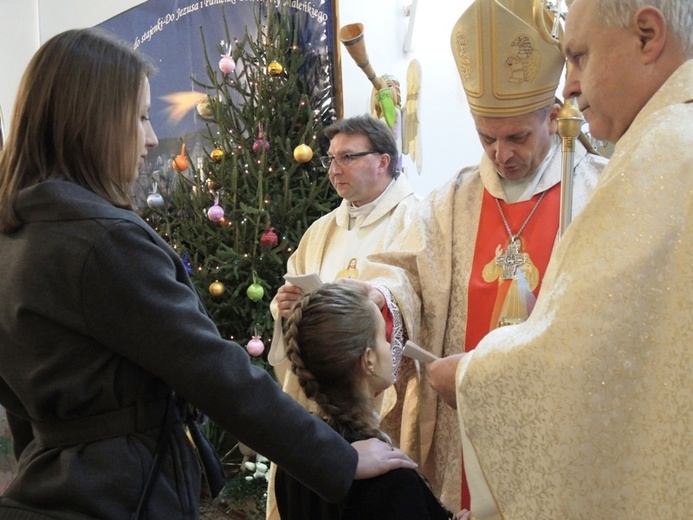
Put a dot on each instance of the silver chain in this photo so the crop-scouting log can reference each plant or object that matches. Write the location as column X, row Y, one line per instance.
column 522, row 227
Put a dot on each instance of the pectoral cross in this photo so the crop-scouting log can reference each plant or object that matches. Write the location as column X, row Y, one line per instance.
column 511, row 259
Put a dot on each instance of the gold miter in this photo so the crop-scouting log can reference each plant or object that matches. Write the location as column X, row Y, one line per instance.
column 509, row 62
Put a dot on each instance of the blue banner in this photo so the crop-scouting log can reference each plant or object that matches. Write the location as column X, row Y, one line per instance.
column 171, row 33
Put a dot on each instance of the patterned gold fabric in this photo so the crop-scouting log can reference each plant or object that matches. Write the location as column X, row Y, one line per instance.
column 586, row 409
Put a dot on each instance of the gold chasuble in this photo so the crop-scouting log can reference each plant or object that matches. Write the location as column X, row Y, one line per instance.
column 493, row 289
column 585, row 410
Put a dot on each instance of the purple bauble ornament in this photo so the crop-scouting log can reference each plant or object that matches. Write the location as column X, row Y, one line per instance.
column 216, row 212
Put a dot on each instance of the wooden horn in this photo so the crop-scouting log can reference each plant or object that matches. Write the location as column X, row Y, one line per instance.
column 352, row 37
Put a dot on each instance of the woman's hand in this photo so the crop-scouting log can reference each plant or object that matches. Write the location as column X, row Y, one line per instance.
column 377, row 457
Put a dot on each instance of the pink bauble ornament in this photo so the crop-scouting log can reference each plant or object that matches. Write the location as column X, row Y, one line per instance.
column 226, row 64
column 259, row 144
column 255, row 346
column 216, row 212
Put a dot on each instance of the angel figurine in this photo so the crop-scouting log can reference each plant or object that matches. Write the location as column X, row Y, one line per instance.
column 386, row 101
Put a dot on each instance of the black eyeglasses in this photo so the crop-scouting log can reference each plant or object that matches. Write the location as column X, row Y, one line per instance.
column 345, row 159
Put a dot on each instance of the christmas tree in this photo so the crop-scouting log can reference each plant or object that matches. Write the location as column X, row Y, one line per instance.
column 237, row 215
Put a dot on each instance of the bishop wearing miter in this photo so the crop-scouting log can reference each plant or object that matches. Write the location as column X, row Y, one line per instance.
column 475, row 258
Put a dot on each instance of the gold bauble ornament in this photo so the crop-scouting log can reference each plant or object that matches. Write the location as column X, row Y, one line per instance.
column 217, row 154
column 275, row 68
column 204, row 109
column 303, row 153
column 212, row 185
column 216, row 288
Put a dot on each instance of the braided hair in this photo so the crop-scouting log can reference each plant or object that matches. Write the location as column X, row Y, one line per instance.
column 326, row 335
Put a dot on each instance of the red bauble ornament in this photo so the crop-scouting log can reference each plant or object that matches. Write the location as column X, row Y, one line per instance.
column 255, row 346
column 269, row 238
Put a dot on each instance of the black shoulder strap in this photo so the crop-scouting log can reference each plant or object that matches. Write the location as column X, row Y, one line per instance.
column 209, row 460
column 161, row 446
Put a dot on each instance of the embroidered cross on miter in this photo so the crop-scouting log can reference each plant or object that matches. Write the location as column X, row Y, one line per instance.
column 511, row 259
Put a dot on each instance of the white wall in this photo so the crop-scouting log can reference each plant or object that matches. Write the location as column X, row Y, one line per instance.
column 58, row 15
column 449, row 139
column 447, row 130
column 18, row 41
column 25, row 24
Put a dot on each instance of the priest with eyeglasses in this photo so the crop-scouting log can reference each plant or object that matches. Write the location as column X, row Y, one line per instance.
column 377, row 204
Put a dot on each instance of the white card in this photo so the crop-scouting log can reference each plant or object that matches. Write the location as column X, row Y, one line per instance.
column 306, row 282
column 414, row 351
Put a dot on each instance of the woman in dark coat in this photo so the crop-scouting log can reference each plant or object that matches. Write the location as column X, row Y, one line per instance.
column 102, row 334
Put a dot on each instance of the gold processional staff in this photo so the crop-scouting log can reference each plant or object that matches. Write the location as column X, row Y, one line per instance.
column 569, row 124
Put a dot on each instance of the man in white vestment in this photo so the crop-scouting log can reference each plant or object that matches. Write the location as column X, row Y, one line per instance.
column 476, row 258
column 586, row 409
column 377, row 203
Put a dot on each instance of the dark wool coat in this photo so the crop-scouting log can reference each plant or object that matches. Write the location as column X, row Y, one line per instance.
column 97, row 314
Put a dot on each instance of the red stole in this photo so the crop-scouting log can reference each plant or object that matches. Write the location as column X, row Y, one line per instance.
column 537, row 238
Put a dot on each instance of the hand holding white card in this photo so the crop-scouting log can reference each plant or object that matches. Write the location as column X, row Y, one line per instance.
column 414, row 351
column 306, row 282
